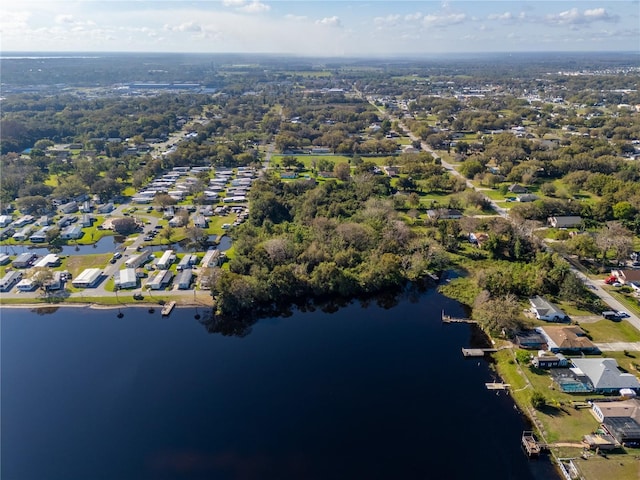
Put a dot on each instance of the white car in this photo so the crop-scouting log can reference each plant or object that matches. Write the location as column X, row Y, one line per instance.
column 616, row 284
column 622, row 314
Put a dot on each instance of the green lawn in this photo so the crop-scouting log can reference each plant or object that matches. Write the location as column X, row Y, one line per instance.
column 608, row 331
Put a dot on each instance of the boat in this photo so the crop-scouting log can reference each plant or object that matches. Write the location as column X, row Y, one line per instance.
column 166, row 309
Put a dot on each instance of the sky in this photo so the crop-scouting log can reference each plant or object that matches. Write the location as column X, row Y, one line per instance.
column 318, row 27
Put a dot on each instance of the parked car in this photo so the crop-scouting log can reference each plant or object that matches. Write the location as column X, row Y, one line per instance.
column 622, row 314
column 616, row 284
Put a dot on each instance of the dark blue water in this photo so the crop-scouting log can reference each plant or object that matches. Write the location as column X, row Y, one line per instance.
column 367, row 393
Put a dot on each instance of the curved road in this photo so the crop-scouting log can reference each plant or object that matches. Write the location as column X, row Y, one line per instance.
column 595, row 286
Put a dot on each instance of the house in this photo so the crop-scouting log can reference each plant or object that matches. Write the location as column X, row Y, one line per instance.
column 515, row 188
column 627, row 277
column 444, row 214
column 54, row 283
column 160, row 279
column 625, row 408
column 545, row 310
column 167, row 259
column 549, row 361
column 9, row 280
column 26, row 285
column 5, row 220
column 620, row 419
column 43, row 221
column 87, row 220
column 24, row 260
column 187, row 261
column 527, row 197
column 88, row 278
column 211, row 258
column 605, row 376
column 4, row 258
column 72, row 232
column 184, row 279
column 70, row 207
column 391, row 171
column 106, row 208
column 126, row 278
column 49, row 260
column 24, row 220
column 177, row 221
column 530, row 339
column 40, row 236
column 134, row 262
column 569, row 221
column 22, row 234
column 567, row 339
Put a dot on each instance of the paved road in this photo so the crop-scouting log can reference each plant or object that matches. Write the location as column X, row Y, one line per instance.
column 595, row 286
column 619, row 346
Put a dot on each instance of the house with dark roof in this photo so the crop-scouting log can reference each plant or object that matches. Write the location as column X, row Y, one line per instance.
column 444, row 214
column 545, row 310
column 568, row 221
column 620, row 419
column 530, row 339
column 516, row 188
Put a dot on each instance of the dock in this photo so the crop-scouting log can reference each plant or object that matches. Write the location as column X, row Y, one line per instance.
column 497, row 386
column 167, row 308
column 477, row 352
column 449, row 319
column 530, row 444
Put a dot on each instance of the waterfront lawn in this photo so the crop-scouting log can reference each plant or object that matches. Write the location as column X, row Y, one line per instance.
column 560, row 421
column 617, row 465
column 608, row 331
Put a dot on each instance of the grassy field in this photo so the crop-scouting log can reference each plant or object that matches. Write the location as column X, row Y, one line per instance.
column 608, row 331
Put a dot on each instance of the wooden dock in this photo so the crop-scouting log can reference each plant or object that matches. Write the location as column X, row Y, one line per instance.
column 530, row 444
column 497, row 386
column 167, row 308
column 449, row 319
column 477, row 352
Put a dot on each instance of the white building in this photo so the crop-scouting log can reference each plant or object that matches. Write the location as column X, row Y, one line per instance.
column 88, row 278
column 166, row 260
column 126, row 278
column 160, row 279
column 9, row 280
column 49, row 260
column 138, row 260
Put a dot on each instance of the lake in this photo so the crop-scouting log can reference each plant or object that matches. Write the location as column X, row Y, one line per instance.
column 366, row 392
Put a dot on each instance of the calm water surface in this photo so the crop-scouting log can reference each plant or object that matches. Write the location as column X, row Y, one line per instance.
column 363, row 393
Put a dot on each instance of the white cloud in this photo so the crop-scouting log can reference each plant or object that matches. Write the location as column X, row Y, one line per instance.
column 330, row 22
column 506, row 16
column 184, row 27
column 575, row 17
column 443, row 19
column 411, row 17
column 255, row 7
column 387, row 21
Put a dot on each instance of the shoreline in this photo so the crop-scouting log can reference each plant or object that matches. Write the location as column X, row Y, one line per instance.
column 97, row 306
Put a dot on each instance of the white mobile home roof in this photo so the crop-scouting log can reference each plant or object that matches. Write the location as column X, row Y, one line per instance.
column 210, row 258
column 87, row 278
column 184, row 279
column 47, row 261
column 138, row 260
column 166, row 258
column 127, row 277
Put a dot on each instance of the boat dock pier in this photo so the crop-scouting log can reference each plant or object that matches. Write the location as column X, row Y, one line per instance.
column 477, row 352
column 530, row 444
column 167, row 308
column 449, row 319
column 497, row 386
